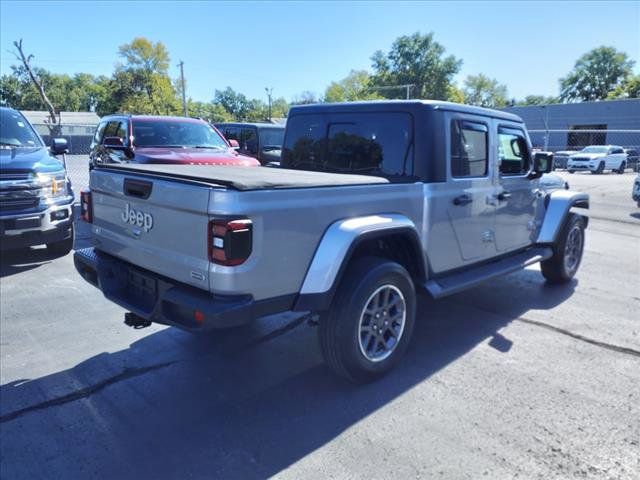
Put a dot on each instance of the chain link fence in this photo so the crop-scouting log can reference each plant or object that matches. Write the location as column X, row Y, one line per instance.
column 78, row 136
column 566, row 142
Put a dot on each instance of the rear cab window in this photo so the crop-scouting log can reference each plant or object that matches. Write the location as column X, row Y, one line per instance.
column 362, row 143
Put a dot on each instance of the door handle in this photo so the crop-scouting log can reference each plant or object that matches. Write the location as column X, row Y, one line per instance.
column 462, row 200
column 502, row 196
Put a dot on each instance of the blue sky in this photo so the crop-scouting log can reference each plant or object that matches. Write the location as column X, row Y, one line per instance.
column 297, row 46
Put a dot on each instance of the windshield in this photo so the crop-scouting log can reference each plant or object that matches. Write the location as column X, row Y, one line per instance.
column 15, row 131
column 176, row 133
column 595, row 150
column 271, row 137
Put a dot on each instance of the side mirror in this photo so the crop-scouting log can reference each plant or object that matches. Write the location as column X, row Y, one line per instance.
column 59, row 146
column 114, row 142
column 234, row 144
column 542, row 163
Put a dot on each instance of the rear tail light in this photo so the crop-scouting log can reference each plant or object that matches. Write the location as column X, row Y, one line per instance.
column 230, row 241
column 86, row 206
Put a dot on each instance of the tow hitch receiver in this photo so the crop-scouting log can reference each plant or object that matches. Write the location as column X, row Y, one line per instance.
column 136, row 321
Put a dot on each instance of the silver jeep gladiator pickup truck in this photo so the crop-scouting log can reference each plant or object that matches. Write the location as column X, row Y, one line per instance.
column 374, row 203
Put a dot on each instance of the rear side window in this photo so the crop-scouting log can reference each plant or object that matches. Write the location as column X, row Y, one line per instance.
column 232, row 133
column 513, row 152
column 469, row 155
column 617, row 150
column 364, row 143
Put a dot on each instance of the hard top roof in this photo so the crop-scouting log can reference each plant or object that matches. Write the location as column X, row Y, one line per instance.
column 160, row 118
column 251, row 124
column 395, row 105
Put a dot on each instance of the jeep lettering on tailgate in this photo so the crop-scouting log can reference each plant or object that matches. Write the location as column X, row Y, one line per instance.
column 138, row 218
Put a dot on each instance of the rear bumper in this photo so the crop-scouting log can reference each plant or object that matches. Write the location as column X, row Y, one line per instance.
column 161, row 300
column 25, row 229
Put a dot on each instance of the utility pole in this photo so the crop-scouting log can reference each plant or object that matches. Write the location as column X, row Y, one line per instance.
column 184, row 94
column 269, row 91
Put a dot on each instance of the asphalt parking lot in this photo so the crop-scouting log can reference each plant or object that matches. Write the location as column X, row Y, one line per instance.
column 514, row 378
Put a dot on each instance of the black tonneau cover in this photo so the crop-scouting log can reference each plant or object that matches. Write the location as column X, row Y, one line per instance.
column 250, row 178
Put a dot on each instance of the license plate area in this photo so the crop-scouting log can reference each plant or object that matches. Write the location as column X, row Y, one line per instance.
column 142, row 290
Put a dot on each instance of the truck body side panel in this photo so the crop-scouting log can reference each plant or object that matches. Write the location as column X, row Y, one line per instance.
column 288, row 226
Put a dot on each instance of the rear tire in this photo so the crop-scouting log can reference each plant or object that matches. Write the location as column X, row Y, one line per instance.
column 567, row 252
column 621, row 169
column 370, row 323
column 571, row 171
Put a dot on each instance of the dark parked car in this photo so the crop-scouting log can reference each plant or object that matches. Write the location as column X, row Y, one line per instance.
column 258, row 140
column 36, row 199
column 560, row 158
column 632, row 158
column 158, row 139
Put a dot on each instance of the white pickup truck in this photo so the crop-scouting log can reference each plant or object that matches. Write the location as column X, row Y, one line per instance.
column 597, row 159
column 375, row 203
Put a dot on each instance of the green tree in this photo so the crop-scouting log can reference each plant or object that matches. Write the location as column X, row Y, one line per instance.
column 537, row 100
column 596, row 74
column 141, row 84
column 210, row 111
column 418, row 60
column 279, row 108
column 354, row 87
column 630, row 88
column 237, row 104
column 305, row 98
column 484, row 91
column 455, row 94
column 144, row 55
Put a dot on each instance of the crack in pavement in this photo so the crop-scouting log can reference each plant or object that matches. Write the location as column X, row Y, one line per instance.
column 135, row 372
column 598, row 343
column 582, row 338
column 84, row 392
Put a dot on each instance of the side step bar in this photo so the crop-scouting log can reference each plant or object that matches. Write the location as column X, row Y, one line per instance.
column 456, row 282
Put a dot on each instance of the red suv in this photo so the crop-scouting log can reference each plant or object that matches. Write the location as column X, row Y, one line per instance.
column 158, row 139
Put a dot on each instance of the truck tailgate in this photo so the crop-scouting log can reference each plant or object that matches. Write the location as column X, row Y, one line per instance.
column 155, row 224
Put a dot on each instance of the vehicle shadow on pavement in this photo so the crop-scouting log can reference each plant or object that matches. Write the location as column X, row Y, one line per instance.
column 242, row 404
column 17, row 261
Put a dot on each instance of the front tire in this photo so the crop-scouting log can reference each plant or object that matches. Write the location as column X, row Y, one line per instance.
column 600, row 169
column 567, row 252
column 370, row 323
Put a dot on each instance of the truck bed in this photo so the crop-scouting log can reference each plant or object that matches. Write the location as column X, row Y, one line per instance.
column 250, row 178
